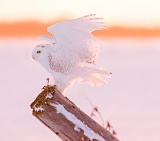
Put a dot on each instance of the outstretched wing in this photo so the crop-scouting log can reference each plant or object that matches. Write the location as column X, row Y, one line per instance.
column 48, row 38
column 76, row 36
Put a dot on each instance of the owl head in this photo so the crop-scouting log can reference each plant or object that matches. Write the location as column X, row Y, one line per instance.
column 40, row 52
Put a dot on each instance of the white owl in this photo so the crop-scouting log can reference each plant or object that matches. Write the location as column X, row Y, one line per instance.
column 70, row 50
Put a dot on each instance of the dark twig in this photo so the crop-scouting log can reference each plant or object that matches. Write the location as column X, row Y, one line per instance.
column 107, row 125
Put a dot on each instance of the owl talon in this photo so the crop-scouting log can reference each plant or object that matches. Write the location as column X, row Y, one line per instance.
column 55, row 86
column 44, row 87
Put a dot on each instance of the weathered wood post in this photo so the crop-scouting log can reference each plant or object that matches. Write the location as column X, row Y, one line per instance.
column 65, row 119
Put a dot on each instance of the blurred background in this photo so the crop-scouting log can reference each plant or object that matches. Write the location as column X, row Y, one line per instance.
column 129, row 48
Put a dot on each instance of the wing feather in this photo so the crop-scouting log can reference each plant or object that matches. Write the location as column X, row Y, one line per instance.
column 48, row 38
column 76, row 36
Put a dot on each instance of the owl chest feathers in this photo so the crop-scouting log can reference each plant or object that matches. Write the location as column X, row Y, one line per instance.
column 62, row 63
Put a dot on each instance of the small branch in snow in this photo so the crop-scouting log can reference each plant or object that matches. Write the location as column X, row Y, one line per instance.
column 106, row 125
column 95, row 109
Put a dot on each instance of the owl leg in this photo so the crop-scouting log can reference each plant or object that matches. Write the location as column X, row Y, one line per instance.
column 55, row 86
column 64, row 86
column 61, row 88
column 56, row 83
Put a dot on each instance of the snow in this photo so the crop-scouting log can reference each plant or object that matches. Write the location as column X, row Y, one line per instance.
column 38, row 109
column 78, row 124
column 49, row 95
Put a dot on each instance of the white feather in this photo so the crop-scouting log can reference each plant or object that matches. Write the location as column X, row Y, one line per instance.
column 72, row 46
column 48, row 38
column 75, row 35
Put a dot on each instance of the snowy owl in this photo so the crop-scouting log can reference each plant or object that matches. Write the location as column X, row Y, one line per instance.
column 70, row 50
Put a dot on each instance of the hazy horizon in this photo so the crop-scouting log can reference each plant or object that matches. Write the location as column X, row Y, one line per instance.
column 35, row 29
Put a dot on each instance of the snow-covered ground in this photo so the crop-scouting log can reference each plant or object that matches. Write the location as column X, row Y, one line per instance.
column 130, row 100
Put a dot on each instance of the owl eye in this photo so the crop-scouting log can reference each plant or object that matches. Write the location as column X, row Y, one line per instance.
column 38, row 51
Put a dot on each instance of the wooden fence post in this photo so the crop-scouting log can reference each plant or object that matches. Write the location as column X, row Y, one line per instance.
column 65, row 119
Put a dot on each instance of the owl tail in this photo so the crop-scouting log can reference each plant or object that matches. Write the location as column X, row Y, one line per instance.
column 94, row 77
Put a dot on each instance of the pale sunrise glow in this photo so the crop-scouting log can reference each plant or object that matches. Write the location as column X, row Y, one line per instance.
column 116, row 12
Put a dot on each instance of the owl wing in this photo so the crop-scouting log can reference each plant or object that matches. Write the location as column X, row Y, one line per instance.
column 48, row 38
column 75, row 35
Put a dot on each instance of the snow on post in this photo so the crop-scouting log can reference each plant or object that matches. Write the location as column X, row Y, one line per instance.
column 65, row 119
